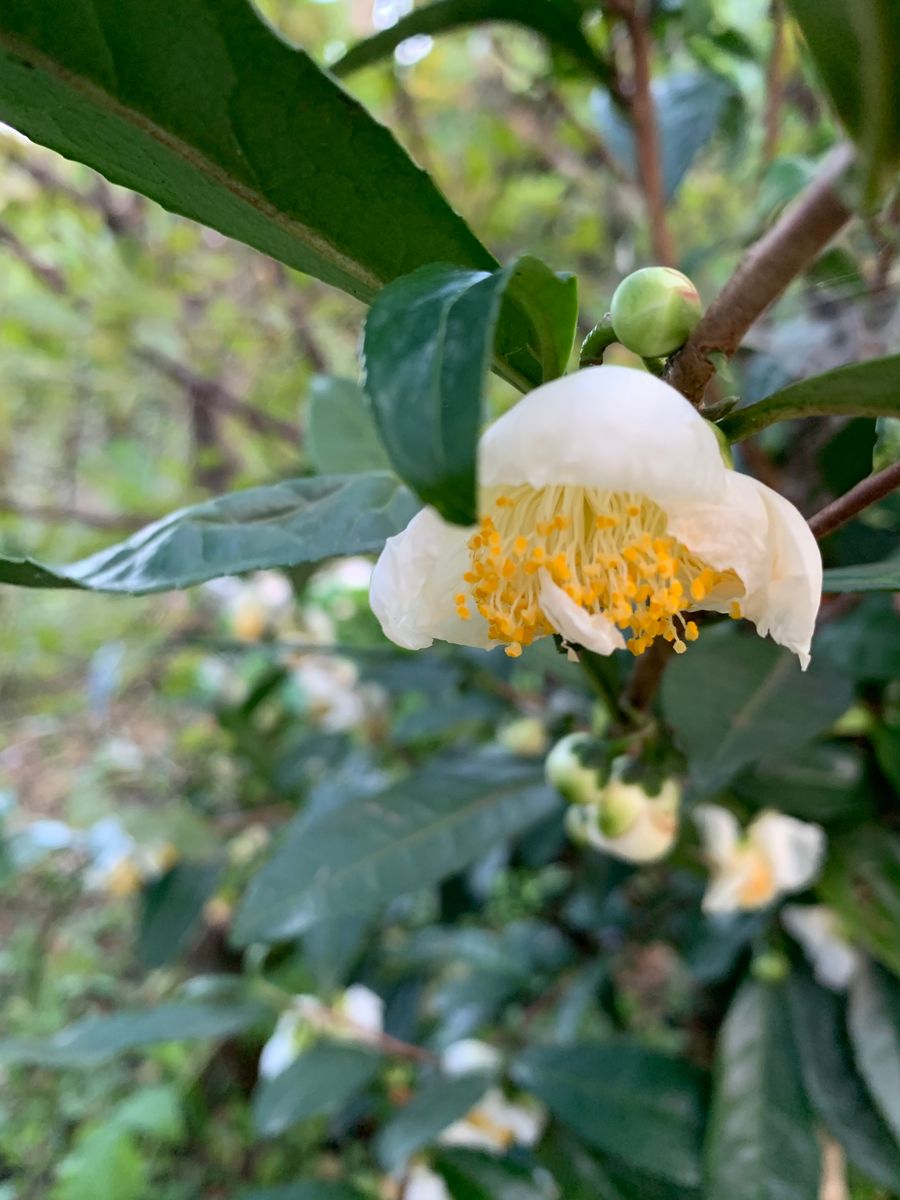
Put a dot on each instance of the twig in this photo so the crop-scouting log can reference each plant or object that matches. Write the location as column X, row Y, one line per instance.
column 774, row 83
column 647, row 676
column 845, row 508
column 796, row 240
column 646, row 134
column 49, row 276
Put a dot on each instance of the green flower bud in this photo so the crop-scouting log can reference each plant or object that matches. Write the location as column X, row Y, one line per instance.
column 654, row 311
column 622, row 804
column 569, row 769
column 770, row 967
column 527, row 737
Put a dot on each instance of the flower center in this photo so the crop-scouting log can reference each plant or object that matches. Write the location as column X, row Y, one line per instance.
column 611, row 554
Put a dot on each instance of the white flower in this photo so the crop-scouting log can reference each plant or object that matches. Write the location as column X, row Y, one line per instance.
column 818, row 930
column 254, row 605
column 605, row 507
column 357, row 1016
column 330, row 689
column 495, row 1124
column 120, row 864
column 628, row 822
column 363, row 1008
column 287, row 1040
column 777, row 854
column 471, row 1055
column 423, row 1184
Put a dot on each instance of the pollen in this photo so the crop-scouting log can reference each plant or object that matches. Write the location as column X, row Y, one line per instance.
column 610, row 552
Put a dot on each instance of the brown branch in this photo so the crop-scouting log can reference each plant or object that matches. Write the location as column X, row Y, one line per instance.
column 646, row 134
column 852, row 503
column 796, row 240
column 647, row 676
column 775, row 76
column 126, row 522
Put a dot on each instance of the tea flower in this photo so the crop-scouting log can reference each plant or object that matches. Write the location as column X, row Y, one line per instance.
column 330, row 688
column 495, row 1123
column 818, row 930
column 607, row 514
column 777, row 854
column 628, row 822
column 120, row 865
column 358, row 1016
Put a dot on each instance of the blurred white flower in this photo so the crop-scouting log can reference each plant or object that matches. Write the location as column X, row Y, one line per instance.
column 607, row 514
column 628, row 822
column 818, row 930
column 119, row 864
column 526, row 736
column 331, row 692
column 495, row 1124
column 423, row 1184
column 253, row 606
column 777, row 854
column 356, row 1016
column 468, row 1056
column 289, row 1038
column 363, row 1008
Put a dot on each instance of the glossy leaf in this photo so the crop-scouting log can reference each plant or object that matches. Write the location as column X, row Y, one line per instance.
column 869, row 577
column 98, row 1038
column 736, row 699
column 875, row 1033
column 833, row 1084
column 689, row 109
column 862, row 884
column 321, row 1080
column 260, row 144
column 441, row 1102
column 856, row 48
column 868, row 389
column 411, row 835
column 281, row 525
column 341, row 435
column 559, row 21
column 762, row 1140
column 428, row 344
column 641, row 1106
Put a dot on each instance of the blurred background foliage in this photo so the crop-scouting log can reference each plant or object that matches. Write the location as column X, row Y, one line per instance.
column 150, row 748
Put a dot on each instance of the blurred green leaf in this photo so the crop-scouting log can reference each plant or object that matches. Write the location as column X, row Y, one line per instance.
column 641, row 1106
column 155, row 1112
column 304, row 1189
column 856, row 48
column 341, row 434
column 580, row 1175
column 431, row 1110
column 864, row 644
column 411, row 835
column 171, row 908
column 559, row 21
column 260, row 144
column 320, row 1080
column 98, row 1038
column 874, row 1018
column 862, row 884
column 869, row 577
column 867, row 389
column 689, row 109
column 106, row 1164
column 427, row 347
column 280, row 525
column 818, row 1018
column 736, row 699
column 762, row 1140
column 816, row 783
column 473, row 1175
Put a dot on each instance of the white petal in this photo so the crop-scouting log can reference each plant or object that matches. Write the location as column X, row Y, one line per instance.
column 423, row 1184
column 815, row 927
column 523, row 1123
column 281, row 1049
column 364, row 1008
column 591, row 630
column 794, row 849
column 761, row 536
column 414, row 583
column 719, row 832
column 608, row 427
column 468, row 1055
column 723, row 894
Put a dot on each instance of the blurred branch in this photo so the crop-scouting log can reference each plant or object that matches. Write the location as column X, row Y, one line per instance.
column 796, row 240
column 647, row 676
column 49, row 276
column 852, row 503
column 120, row 218
column 639, row 101
column 775, row 75
column 123, row 522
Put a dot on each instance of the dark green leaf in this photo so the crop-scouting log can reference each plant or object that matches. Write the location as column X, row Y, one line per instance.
column 427, row 347
column 762, row 1140
column 869, row 577
column 97, row 1038
column 736, row 699
column 580, row 1175
column 833, row 1084
column 643, row 1107
column 875, row 1033
column 817, row 783
column 260, row 144
column 862, row 883
column 472, row 1175
column 559, row 21
column 865, row 644
column 441, row 1102
column 411, row 835
column 321, row 1080
column 689, row 109
column 869, row 389
column 171, row 910
column 341, row 433
column 856, row 48
column 282, row 525
column 304, row 1189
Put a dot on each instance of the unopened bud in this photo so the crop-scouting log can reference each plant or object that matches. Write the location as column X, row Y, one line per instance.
column 654, row 311
column 575, row 767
